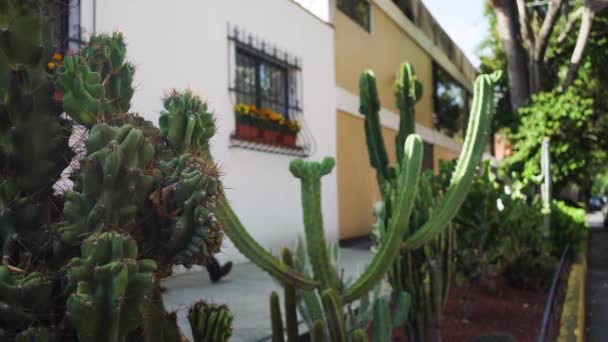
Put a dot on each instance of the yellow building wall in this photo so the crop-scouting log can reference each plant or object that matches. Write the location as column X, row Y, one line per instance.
column 383, row 49
column 357, row 187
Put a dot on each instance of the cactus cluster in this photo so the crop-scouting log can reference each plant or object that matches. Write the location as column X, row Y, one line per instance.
column 425, row 263
column 85, row 264
column 324, row 292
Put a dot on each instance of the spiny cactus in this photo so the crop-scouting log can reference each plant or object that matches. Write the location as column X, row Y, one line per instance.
column 108, row 286
column 425, row 264
column 84, row 263
column 23, row 297
column 210, row 323
column 97, row 84
column 116, row 161
column 186, row 122
column 105, row 55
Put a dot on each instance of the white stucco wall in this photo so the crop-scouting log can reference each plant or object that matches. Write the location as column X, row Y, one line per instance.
column 183, row 43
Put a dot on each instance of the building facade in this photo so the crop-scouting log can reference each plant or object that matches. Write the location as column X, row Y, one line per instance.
column 299, row 59
column 381, row 35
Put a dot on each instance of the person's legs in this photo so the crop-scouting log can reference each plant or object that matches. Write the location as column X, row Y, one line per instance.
column 216, row 271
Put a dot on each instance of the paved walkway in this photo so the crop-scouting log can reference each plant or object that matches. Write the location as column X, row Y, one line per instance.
column 597, row 281
column 245, row 290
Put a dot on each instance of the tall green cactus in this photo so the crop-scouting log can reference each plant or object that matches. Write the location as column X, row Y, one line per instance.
column 425, row 264
column 399, row 188
column 83, row 261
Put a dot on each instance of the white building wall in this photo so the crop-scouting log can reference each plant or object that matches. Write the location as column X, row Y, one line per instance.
column 183, row 43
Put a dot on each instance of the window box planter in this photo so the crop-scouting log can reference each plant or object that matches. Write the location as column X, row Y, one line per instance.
column 289, row 140
column 247, row 132
column 270, row 136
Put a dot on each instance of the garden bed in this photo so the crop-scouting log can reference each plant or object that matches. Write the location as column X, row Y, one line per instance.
column 515, row 312
column 509, row 311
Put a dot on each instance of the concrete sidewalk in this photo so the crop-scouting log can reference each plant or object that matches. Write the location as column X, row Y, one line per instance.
column 596, row 326
column 245, row 290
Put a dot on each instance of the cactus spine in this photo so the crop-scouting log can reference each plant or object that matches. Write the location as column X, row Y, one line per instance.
column 84, row 263
column 424, row 266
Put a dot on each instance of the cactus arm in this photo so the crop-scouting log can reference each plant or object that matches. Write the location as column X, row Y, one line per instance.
column 291, row 313
column 334, row 315
column 404, row 80
column 275, row 318
column 382, row 320
column 359, row 335
column 310, row 174
column 247, row 245
column 402, row 308
column 318, row 331
column 467, row 164
column 389, row 249
column 370, row 108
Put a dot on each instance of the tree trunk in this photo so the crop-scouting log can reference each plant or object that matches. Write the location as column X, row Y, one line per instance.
column 579, row 48
column 517, row 62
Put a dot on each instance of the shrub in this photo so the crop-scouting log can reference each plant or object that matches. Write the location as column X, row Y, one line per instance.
column 568, row 226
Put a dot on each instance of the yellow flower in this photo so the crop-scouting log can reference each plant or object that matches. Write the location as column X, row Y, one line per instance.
column 51, row 65
column 275, row 116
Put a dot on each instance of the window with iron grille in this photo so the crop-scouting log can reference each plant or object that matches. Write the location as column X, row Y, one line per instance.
column 357, row 10
column 263, row 82
column 266, row 91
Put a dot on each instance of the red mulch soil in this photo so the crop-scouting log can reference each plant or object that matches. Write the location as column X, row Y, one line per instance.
column 515, row 312
column 503, row 310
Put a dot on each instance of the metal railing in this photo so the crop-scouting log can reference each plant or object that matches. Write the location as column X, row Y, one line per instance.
column 556, row 293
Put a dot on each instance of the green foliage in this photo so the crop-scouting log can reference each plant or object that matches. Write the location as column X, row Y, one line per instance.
column 568, row 227
column 585, row 155
column 84, row 263
column 600, row 183
column 565, row 119
column 499, row 232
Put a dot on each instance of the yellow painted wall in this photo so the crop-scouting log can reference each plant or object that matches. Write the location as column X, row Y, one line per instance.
column 383, row 50
column 357, row 187
column 442, row 153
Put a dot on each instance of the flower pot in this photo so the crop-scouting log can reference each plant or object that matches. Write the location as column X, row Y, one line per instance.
column 241, row 130
column 289, row 140
column 270, row 136
column 254, row 133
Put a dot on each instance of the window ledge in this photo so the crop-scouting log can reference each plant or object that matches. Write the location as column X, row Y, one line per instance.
column 261, row 146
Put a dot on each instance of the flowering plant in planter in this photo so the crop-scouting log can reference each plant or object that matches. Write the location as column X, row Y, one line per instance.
column 263, row 124
column 247, row 125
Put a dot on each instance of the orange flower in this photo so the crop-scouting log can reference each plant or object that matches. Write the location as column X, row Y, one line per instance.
column 57, row 57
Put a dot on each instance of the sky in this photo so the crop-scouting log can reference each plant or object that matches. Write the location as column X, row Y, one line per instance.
column 463, row 20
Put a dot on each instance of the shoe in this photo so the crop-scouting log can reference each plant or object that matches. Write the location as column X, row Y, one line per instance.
column 219, row 272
